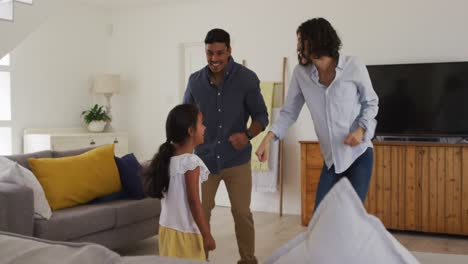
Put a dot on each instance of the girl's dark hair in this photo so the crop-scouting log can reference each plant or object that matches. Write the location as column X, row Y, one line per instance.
column 218, row 35
column 156, row 175
column 318, row 38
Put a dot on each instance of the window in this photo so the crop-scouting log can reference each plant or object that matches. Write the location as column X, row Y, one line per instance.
column 6, row 9
column 5, row 107
column 5, row 113
column 5, row 61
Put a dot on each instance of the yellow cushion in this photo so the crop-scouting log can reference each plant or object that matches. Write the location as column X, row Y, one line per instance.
column 77, row 179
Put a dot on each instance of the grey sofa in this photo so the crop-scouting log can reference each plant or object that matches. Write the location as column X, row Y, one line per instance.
column 112, row 224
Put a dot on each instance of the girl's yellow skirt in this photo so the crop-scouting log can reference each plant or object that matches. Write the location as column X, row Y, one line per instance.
column 174, row 243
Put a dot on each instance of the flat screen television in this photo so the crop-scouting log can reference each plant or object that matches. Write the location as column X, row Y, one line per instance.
column 424, row 99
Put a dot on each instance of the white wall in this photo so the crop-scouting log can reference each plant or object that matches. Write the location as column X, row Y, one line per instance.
column 52, row 70
column 146, row 50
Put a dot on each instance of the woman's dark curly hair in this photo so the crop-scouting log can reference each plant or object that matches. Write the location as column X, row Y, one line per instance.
column 318, row 38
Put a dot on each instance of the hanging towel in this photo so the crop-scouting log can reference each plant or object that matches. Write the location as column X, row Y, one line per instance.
column 266, row 88
column 267, row 181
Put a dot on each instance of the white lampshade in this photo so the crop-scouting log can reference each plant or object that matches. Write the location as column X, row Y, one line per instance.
column 106, row 84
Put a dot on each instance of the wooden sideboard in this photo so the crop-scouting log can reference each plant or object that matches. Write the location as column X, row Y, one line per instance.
column 414, row 186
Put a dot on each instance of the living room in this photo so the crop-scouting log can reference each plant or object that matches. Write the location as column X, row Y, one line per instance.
column 56, row 48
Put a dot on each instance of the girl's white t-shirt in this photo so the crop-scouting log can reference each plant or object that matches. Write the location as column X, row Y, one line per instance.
column 175, row 209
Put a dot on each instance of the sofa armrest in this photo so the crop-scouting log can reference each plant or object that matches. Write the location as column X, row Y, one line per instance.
column 16, row 209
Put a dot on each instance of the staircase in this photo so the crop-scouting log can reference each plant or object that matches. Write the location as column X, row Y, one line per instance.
column 19, row 18
column 7, row 8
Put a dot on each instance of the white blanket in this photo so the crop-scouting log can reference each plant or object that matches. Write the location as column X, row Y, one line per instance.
column 267, row 181
column 12, row 172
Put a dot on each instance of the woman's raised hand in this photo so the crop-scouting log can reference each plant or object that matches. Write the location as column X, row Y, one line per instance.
column 264, row 148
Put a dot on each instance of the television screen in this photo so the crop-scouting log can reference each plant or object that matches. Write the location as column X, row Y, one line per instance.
column 426, row 99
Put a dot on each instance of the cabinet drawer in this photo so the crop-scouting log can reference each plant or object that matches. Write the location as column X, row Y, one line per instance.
column 70, row 143
column 61, row 143
column 120, row 143
column 100, row 140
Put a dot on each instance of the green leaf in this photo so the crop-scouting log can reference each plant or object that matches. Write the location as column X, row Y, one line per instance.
column 95, row 113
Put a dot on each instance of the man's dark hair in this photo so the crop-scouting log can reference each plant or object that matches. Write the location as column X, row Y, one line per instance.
column 218, row 35
column 319, row 38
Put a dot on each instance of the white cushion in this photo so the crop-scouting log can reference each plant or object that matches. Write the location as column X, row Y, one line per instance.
column 341, row 231
column 12, row 172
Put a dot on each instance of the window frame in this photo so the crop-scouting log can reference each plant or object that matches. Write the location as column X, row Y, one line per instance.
column 8, row 123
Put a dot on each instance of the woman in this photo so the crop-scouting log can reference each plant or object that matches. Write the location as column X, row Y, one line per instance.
column 342, row 103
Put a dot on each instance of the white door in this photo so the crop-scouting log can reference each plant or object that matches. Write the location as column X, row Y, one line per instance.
column 194, row 59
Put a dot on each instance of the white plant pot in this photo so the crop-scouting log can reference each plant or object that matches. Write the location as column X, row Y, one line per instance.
column 97, row 126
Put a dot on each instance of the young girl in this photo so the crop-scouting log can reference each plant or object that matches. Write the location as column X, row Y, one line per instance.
column 174, row 176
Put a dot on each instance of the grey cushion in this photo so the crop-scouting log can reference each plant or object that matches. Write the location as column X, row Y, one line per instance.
column 125, row 235
column 74, row 222
column 132, row 211
column 22, row 159
column 68, row 153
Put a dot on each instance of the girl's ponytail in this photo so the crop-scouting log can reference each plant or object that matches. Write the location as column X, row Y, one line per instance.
column 156, row 177
column 156, row 186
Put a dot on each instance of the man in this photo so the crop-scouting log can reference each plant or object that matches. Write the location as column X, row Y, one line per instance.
column 227, row 94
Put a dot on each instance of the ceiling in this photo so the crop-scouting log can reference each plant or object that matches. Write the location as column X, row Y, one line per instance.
column 118, row 4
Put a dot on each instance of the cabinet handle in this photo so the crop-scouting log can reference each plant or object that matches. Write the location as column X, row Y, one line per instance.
column 116, row 141
column 92, row 142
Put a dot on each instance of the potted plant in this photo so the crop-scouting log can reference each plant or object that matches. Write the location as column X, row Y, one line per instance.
column 96, row 118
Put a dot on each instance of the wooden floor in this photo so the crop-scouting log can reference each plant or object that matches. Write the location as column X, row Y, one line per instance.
column 272, row 232
column 434, row 243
